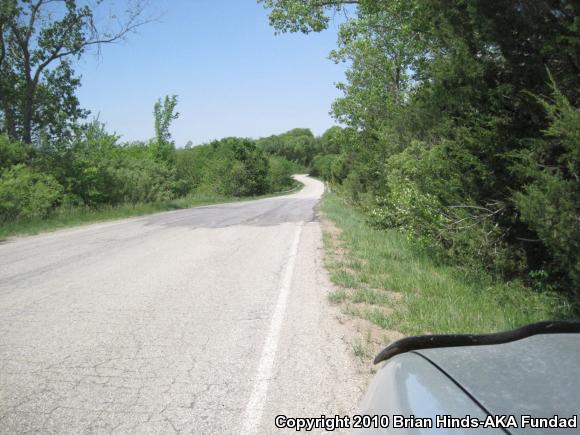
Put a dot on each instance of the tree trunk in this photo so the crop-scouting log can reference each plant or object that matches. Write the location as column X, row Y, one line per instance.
column 28, row 109
column 27, row 118
column 9, row 121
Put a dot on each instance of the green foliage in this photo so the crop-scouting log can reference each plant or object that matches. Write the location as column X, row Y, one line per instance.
column 399, row 284
column 85, row 167
column 298, row 145
column 305, row 150
column 331, row 141
column 12, row 153
column 164, row 113
column 231, row 167
column 96, row 170
column 322, row 166
column 280, row 173
column 446, row 139
column 296, row 16
column 135, row 181
column 250, row 174
column 38, row 42
column 427, row 194
column 550, row 200
column 26, row 194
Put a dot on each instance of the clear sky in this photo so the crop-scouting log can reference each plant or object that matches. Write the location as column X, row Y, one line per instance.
column 232, row 75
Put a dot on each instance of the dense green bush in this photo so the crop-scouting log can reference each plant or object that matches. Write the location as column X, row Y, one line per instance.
column 12, row 153
column 26, row 194
column 250, row 170
column 96, row 170
column 280, row 173
column 320, row 156
column 230, row 167
column 429, row 194
column 298, row 145
column 136, row 181
column 323, row 165
column 550, row 200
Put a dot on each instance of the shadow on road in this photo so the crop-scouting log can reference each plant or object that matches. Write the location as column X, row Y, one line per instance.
column 266, row 212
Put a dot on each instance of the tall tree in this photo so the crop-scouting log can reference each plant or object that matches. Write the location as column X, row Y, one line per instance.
column 164, row 113
column 38, row 41
column 456, row 140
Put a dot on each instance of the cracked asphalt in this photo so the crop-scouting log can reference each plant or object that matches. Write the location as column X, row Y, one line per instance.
column 159, row 324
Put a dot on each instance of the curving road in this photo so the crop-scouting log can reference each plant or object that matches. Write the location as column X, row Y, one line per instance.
column 207, row 320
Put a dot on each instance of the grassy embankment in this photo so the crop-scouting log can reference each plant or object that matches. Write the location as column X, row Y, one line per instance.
column 391, row 282
column 64, row 218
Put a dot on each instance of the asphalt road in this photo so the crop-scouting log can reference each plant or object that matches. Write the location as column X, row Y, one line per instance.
column 207, row 320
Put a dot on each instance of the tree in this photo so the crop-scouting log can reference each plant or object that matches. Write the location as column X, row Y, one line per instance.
column 331, row 140
column 383, row 51
column 297, row 145
column 39, row 39
column 304, row 16
column 452, row 142
column 164, row 113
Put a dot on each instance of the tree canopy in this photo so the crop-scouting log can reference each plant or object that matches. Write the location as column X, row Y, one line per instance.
column 461, row 120
column 39, row 39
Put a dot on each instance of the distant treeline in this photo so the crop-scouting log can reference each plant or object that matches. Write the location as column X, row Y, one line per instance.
column 462, row 127
column 52, row 160
column 94, row 169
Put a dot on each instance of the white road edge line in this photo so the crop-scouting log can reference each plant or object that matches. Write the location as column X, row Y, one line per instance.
column 255, row 407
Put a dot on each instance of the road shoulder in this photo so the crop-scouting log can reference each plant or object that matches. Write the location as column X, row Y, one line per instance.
column 316, row 372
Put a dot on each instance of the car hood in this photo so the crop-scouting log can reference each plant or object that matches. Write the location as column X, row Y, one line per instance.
column 537, row 376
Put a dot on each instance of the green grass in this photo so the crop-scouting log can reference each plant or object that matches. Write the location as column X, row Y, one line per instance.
column 64, row 218
column 422, row 294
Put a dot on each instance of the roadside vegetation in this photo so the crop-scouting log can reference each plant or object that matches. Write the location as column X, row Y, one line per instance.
column 59, row 169
column 461, row 141
column 398, row 284
column 94, row 177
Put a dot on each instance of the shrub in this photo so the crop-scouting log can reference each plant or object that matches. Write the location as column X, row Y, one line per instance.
column 322, row 166
column 12, row 153
column 26, row 194
column 250, row 172
column 298, row 145
column 139, row 180
column 431, row 194
column 550, row 200
column 95, row 170
column 231, row 166
column 280, row 173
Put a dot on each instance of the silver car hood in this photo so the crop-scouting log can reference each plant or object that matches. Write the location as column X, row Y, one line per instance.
column 538, row 375
column 409, row 385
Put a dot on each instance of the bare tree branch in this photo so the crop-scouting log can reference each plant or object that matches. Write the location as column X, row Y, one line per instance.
column 57, row 54
column 33, row 15
column 2, row 44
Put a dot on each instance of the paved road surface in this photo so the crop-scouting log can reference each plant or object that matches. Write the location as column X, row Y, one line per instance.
column 207, row 320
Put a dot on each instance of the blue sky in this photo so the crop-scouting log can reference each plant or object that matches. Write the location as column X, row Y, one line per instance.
column 233, row 76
